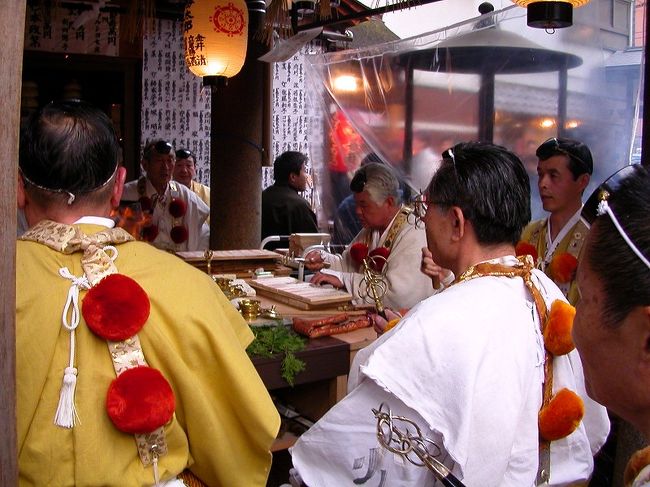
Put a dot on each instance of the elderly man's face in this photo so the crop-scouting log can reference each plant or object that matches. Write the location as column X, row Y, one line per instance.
column 371, row 214
column 185, row 171
column 610, row 356
column 159, row 169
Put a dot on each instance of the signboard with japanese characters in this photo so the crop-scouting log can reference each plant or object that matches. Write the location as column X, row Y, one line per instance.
column 75, row 30
column 175, row 105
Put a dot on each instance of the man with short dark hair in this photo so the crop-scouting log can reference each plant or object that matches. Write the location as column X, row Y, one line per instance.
column 284, row 211
column 564, row 169
column 466, row 365
column 185, row 173
column 131, row 365
column 612, row 324
column 177, row 215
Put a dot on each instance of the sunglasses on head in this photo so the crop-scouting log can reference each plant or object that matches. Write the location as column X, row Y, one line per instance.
column 598, row 204
column 552, row 147
column 163, row 147
column 183, row 153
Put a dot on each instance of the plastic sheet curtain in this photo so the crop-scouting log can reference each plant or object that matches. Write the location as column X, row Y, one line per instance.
column 489, row 78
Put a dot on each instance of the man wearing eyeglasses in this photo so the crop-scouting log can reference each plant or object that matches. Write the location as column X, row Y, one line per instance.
column 468, row 365
column 185, row 173
column 177, row 216
column 564, row 169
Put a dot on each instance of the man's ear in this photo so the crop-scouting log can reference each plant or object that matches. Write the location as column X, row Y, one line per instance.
column 20, row 192
column 390, row 201
column 458, row 223
column 583, row 181
column 118, row 186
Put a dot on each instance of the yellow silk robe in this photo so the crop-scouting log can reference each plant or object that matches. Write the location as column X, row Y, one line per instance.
column 535, row 234
column 225, row 420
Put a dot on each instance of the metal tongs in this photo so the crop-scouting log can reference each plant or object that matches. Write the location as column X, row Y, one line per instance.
column 411, row 445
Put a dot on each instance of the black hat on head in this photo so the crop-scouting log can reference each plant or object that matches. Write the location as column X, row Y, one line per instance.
column 577, row 152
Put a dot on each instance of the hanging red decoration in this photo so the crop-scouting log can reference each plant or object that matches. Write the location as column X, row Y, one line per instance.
column 524, row 248
column 177, row 207
column 116, row 308
column 140, row 400
column 378, row 258
column 179, row 234
column 358, row 252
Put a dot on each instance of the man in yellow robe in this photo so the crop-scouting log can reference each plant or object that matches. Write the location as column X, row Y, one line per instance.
column 224, row 420
column 564, row 169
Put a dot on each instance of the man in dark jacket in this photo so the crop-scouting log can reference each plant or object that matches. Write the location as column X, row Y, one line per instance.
column 284, row 211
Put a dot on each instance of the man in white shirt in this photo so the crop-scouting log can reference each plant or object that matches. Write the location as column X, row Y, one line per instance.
column 466, row 365
column 390, row 230
column 177, row 215
column 564, row 169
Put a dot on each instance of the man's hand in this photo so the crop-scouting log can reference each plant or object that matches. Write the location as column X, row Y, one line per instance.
column 429, row 268
column 314, row 261
column 319, row 278
column 379, row 323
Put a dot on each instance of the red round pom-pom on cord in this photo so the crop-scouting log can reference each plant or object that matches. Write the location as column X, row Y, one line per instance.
column 177, row 207
column 140, row 400
column 145, row 203
column 378, row 258
column 358, row 252
column 524, row 248
column 179, row 234
column 116, row 308
column 149, row 232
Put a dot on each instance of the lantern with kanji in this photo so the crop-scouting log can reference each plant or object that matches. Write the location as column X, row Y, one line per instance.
column 215, row 36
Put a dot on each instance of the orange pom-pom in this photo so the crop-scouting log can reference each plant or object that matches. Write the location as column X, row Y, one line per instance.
column 524, row 248
column 557, row 334
column 563, row 267
column 561, row 416
column 391, row 324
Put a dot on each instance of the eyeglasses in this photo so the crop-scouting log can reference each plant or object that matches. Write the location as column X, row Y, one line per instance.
column 552, row 147
column 449, row 156
column 183, row 154
column 598, row 204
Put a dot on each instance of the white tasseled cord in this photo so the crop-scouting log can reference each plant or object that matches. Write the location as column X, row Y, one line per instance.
column 66, row 413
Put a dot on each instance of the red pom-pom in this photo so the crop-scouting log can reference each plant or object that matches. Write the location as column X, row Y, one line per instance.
column 145, row 203
column 116, row 308
column 378, row 258
column 177, row 207
column 179, row 234
column 563, row 267
column 149, row 233
column 358, row 252
column 140, row 400
column 524, row 248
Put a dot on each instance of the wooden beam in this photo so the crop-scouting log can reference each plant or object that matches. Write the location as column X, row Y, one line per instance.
column 12, row 33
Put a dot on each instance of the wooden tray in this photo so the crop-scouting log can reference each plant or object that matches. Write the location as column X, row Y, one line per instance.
column 242, row 263
column 299, row 294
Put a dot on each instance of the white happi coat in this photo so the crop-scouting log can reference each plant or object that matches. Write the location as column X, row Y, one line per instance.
column 467, row 366
column 407, row 286
column 195, row 217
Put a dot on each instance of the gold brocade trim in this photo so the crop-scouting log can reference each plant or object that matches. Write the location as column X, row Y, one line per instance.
column 524, row 269
column 398, row 223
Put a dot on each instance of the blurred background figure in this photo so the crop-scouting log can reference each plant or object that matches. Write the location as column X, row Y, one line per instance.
column 185, row 173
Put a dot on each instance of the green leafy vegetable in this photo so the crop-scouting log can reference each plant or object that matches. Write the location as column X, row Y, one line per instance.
column 274, row 340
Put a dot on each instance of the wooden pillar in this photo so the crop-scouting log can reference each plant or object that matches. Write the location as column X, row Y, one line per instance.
column 12, row 32
column 237, row 152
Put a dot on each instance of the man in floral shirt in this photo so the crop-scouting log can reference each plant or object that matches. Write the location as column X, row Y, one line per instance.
column 564, row 169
